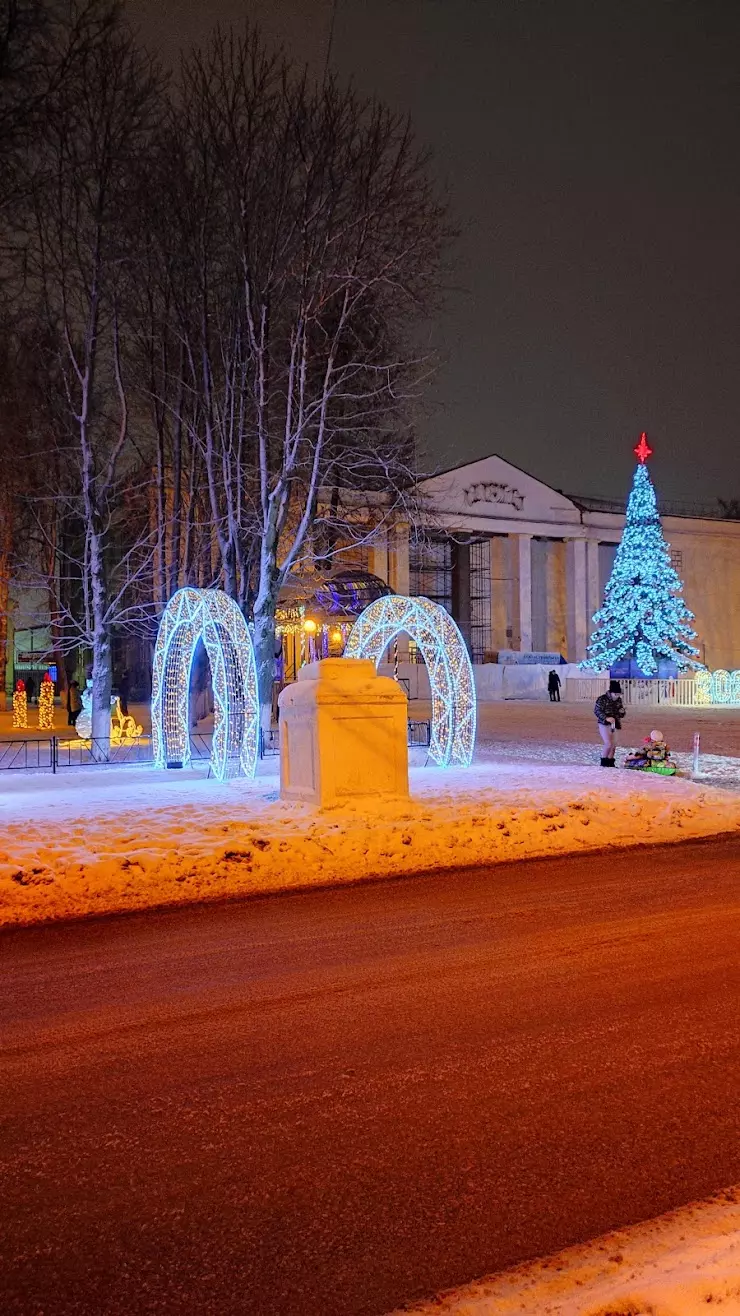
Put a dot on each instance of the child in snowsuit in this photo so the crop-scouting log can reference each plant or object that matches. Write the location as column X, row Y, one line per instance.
column 655, row 756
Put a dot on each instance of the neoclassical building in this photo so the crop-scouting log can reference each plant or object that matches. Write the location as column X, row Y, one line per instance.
column 521, row 566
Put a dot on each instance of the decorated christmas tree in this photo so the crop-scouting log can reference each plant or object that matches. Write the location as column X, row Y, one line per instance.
column 643, row 616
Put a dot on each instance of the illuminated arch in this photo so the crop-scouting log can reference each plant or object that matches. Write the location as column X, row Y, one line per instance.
column 447, row 660
column 211, row 616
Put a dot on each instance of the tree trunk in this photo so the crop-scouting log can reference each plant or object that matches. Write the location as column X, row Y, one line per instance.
column 4, row 603
column 102, row 685
column 102, row 678
column 6, row 548
column 264, row 653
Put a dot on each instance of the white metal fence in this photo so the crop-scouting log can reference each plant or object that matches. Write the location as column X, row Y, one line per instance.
column 683, row 692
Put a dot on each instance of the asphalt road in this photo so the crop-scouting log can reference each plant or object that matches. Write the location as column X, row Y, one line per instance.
column 327, row 1104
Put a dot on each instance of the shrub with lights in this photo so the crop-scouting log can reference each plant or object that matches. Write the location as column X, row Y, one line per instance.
column 46, row 703
column 643, row 616
column 20, row 706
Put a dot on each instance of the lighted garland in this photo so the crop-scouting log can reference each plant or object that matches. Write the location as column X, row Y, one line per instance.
column 719, row 687
column 210, row 615
column 46, row 704
column 447, row 660
column 20, row 706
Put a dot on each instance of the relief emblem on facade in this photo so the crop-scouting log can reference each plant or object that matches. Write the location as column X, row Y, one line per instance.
column 493, row 492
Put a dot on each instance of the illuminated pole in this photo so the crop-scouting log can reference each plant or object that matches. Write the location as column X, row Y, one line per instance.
column 20, row 706
column 46, row 704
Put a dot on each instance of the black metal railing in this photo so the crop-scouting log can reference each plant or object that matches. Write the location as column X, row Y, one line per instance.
column 200, row 746
column 56, row 753
column 420, row 735
column 28, row 755
column 98, row 752
column 269, row 743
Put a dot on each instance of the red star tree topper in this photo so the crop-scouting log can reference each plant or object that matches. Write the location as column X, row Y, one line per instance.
column 643, row 449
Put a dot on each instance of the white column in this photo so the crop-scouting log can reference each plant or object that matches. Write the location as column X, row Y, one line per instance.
column 525, row 593
column 557, row 603
column 593, row 590
column 577, row 609
column 499, row 586
column 378, row 556
column 399, row 559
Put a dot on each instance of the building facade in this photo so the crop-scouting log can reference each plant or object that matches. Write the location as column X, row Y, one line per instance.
column 523, row 567
column 520, row 566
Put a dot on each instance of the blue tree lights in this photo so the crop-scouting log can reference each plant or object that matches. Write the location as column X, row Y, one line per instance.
column 447, row 661
column 643, row 615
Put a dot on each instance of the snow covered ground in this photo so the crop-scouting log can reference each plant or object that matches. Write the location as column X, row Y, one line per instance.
column 532, row 731
column 98, row 840
column 683, row 1264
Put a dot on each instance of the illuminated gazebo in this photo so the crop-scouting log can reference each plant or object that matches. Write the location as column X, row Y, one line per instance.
column 315, row 614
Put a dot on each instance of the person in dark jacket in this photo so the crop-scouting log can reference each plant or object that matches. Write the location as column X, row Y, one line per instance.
column 553, row 687
column 30, row 690
column 74, row 703
column 609, row 714
column 124, row 686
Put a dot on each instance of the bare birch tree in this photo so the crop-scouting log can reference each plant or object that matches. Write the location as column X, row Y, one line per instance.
column 303, row 240
column 78, row 260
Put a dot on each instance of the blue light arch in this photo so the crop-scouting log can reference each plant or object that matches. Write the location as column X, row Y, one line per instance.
column 447, row 661
column 211, row 616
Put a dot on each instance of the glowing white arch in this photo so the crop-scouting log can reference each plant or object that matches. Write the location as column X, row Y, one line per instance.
column 210, row 615
column 447, row 660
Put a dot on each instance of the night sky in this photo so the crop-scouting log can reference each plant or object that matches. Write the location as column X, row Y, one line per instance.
column 590, row 152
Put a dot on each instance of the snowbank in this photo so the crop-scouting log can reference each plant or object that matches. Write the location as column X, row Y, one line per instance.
column 94, row 841
column 682, row 1264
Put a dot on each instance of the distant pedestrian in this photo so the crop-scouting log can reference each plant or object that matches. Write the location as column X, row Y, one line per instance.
column 609, row 714
column 30, row 689
column 123, row 688
column 74, row 703
column 553, row 687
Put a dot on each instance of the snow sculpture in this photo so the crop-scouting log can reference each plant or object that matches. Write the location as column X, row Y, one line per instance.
column 83, row 725
column 343, row 734
column 446, row 656
column 210, row 615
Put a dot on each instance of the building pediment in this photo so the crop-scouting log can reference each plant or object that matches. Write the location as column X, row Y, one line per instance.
column 492, row 488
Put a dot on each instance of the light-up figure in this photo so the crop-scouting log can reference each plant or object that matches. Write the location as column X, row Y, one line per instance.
column 211, row 616
column 447, row 661
column 124, row 730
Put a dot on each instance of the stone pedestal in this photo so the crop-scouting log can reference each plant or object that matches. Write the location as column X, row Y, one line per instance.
column 343, row 734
